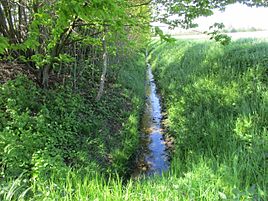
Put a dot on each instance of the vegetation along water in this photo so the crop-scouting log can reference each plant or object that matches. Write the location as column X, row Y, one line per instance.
column 93, row 108
column 152, row 158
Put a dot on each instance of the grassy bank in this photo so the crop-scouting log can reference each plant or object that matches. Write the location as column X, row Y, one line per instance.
column 48, row 134
column 216, row 99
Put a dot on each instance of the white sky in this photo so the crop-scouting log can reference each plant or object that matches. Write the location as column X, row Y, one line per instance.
column 238, row 16
column 235, row 15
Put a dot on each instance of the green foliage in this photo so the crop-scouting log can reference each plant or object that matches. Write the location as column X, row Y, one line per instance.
column 59, row 144
column 51, row 36
column 44, row 134
column 28, row 125
column 3, row 44
column 163, row 37
column 215, row 99
column 182, row 13
column 216, row 34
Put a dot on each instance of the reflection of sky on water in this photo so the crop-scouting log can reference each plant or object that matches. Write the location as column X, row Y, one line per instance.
column 154, row 150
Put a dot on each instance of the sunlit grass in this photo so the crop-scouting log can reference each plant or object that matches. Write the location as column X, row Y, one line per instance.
column 215, row 102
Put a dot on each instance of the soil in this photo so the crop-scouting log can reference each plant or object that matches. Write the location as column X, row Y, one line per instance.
column 9, row 71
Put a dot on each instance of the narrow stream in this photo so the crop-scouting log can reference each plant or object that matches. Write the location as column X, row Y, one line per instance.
column 153, row 156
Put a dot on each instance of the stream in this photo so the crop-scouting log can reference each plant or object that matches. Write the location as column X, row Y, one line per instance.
column 153, row 156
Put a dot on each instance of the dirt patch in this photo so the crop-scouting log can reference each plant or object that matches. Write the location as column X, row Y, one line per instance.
column 9, row 71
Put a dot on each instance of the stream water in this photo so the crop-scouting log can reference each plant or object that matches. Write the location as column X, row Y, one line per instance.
column 153, row 156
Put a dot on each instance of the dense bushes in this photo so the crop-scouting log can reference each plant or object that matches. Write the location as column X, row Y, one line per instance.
column 46, row 132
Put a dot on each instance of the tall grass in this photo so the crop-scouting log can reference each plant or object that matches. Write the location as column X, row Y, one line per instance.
column 216, row 99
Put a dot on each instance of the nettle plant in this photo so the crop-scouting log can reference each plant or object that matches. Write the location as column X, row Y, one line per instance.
column 39, row 131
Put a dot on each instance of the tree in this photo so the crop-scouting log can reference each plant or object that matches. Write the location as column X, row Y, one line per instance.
column 43, row 34
column 49, row 27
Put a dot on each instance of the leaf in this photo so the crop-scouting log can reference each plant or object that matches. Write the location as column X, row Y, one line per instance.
column 66, row 58
column 3, row 44
column 222, row 196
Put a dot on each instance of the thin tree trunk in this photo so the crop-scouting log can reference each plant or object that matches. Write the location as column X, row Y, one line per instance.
column 45, row 75
column 8, row 15
column 3, row 24
column 104, row 69
column 75, row 68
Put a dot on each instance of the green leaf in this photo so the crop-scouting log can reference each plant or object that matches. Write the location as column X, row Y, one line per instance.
column 3, row 44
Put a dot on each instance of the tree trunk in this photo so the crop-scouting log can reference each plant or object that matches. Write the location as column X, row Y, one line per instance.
column 3, row 24
column 45, row 75
column 104, row 69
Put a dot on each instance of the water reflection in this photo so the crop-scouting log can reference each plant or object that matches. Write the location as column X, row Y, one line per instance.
column 153, row 158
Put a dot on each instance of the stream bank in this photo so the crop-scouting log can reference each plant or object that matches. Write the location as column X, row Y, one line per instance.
column 153, row 155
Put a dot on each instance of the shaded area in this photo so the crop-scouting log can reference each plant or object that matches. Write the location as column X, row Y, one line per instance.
column 9, row 71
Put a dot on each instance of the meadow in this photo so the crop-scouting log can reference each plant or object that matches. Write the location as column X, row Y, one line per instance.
column 216, row 100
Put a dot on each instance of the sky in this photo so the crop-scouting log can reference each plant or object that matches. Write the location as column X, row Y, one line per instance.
column 238, row 16
column 235, row 15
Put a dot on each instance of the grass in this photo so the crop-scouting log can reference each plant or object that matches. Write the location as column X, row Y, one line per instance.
column 216, row 100
column 217, row 103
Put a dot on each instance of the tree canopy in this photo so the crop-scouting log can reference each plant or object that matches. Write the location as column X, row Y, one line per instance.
column 44, row 33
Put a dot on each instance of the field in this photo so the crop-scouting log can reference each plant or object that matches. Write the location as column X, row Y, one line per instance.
column 234, row 36
column 216, row 100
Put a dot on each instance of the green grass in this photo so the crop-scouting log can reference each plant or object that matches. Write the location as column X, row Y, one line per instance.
column 216, row 98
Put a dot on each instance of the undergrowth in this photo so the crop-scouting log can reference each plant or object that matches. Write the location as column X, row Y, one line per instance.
column 48, row 133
